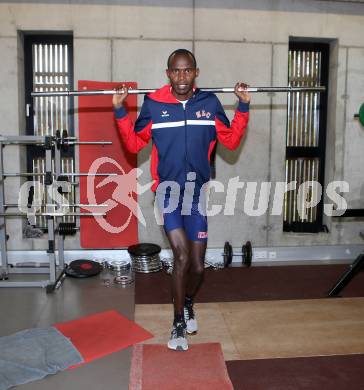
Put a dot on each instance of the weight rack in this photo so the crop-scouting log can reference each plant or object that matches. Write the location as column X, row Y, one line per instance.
column 53, row 145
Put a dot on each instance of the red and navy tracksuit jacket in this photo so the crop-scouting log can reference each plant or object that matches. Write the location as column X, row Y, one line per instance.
column 183, row 138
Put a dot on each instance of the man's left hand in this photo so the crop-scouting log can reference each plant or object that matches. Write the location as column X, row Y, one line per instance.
column 241, row 92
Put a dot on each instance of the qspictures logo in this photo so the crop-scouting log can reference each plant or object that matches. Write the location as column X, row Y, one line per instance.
column 236, row 196
column 123, row 194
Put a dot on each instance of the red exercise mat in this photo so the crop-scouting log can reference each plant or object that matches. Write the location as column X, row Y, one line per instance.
column 101, row 334
column 96, row 123
column 202, row 367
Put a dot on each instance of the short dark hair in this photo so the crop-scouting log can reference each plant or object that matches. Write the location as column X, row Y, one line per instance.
column 183, row 52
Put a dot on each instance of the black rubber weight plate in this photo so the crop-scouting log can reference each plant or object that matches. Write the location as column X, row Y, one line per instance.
column 144, row 249
column 83, row 268
column 361, row 114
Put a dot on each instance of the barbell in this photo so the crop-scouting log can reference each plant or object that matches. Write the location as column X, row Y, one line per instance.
column 144, row 91
column 246, row 254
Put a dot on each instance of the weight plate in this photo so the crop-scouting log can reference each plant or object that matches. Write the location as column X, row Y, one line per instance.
column 83, row 268
column 361, row 114
column 249, row 255
column 244, row 254
column 144, row 249
column 228, row 254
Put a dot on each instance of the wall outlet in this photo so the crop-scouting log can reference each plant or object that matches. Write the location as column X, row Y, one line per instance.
column 260, row 254
column 272, row 255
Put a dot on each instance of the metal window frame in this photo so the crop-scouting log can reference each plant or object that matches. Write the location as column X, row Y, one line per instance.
column 313, row 152
column 54, row 37
column 46, row 38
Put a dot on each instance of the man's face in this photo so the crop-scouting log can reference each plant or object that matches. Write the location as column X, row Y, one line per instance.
column 182, row 74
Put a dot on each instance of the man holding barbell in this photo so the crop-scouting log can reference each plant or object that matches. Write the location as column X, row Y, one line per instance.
column 184, row 124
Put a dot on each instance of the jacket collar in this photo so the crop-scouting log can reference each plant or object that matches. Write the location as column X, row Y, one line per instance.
column 164, row 95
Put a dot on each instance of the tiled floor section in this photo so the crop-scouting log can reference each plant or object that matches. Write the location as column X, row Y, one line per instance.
column 269, row 329
column 342, row 372
column 212, row 325
column 240, row 284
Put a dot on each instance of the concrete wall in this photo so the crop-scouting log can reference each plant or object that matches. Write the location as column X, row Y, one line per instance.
column 245, row 40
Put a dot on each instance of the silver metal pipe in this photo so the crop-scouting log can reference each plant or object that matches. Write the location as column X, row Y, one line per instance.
column 55, row 214
column 62, row 174
column 25, row 284
column 40, row 140
column 15, row 205
column 89, row 143
column 26, row 139
column 143, row 91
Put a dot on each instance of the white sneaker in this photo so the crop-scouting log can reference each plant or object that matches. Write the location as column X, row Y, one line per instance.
column 190, row 319
column 178, row 340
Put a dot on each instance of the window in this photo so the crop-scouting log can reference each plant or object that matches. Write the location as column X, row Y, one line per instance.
column 48, row 67
column 308, row 64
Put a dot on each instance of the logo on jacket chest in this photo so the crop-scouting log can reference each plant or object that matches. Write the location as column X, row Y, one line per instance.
column 203, row 114
column 164, row 114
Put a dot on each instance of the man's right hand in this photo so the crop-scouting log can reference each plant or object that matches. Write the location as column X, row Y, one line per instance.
column 119, row 97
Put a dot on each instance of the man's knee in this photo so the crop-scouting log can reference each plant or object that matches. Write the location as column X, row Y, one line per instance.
column 197, row 268
column 181, row 260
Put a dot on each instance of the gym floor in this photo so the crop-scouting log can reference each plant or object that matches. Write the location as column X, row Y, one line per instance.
column 23, row 308
column 276, row 325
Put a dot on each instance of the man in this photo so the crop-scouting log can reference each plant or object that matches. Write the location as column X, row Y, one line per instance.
column 184, row 124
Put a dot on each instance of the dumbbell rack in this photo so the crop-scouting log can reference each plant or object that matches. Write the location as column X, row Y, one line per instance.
column 52, row 145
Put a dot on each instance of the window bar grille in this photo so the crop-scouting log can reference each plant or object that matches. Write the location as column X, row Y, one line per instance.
column 303, row 107
column 300, row 171
column 50, row 64
column 304, row 69
column 51, row 73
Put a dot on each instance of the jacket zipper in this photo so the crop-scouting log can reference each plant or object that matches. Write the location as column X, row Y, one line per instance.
column 185, row 116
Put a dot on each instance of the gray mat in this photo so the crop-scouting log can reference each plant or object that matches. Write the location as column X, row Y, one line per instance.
column 33, row 354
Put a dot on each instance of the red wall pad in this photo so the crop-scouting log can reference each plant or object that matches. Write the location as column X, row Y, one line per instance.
column 96, row 123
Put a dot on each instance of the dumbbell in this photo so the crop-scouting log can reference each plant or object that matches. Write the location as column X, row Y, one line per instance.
column 246, row 254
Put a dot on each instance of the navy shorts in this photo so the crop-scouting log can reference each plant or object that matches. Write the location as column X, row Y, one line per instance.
column 185, row 215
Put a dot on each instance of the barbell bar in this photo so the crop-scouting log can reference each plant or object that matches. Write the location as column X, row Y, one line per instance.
column 144, row 91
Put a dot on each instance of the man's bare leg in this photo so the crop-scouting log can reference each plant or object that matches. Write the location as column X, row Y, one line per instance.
column 194, row 281
column 180, row 248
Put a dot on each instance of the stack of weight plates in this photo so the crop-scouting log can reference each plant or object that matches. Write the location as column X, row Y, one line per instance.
column 122, row 272
column 145, row 257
